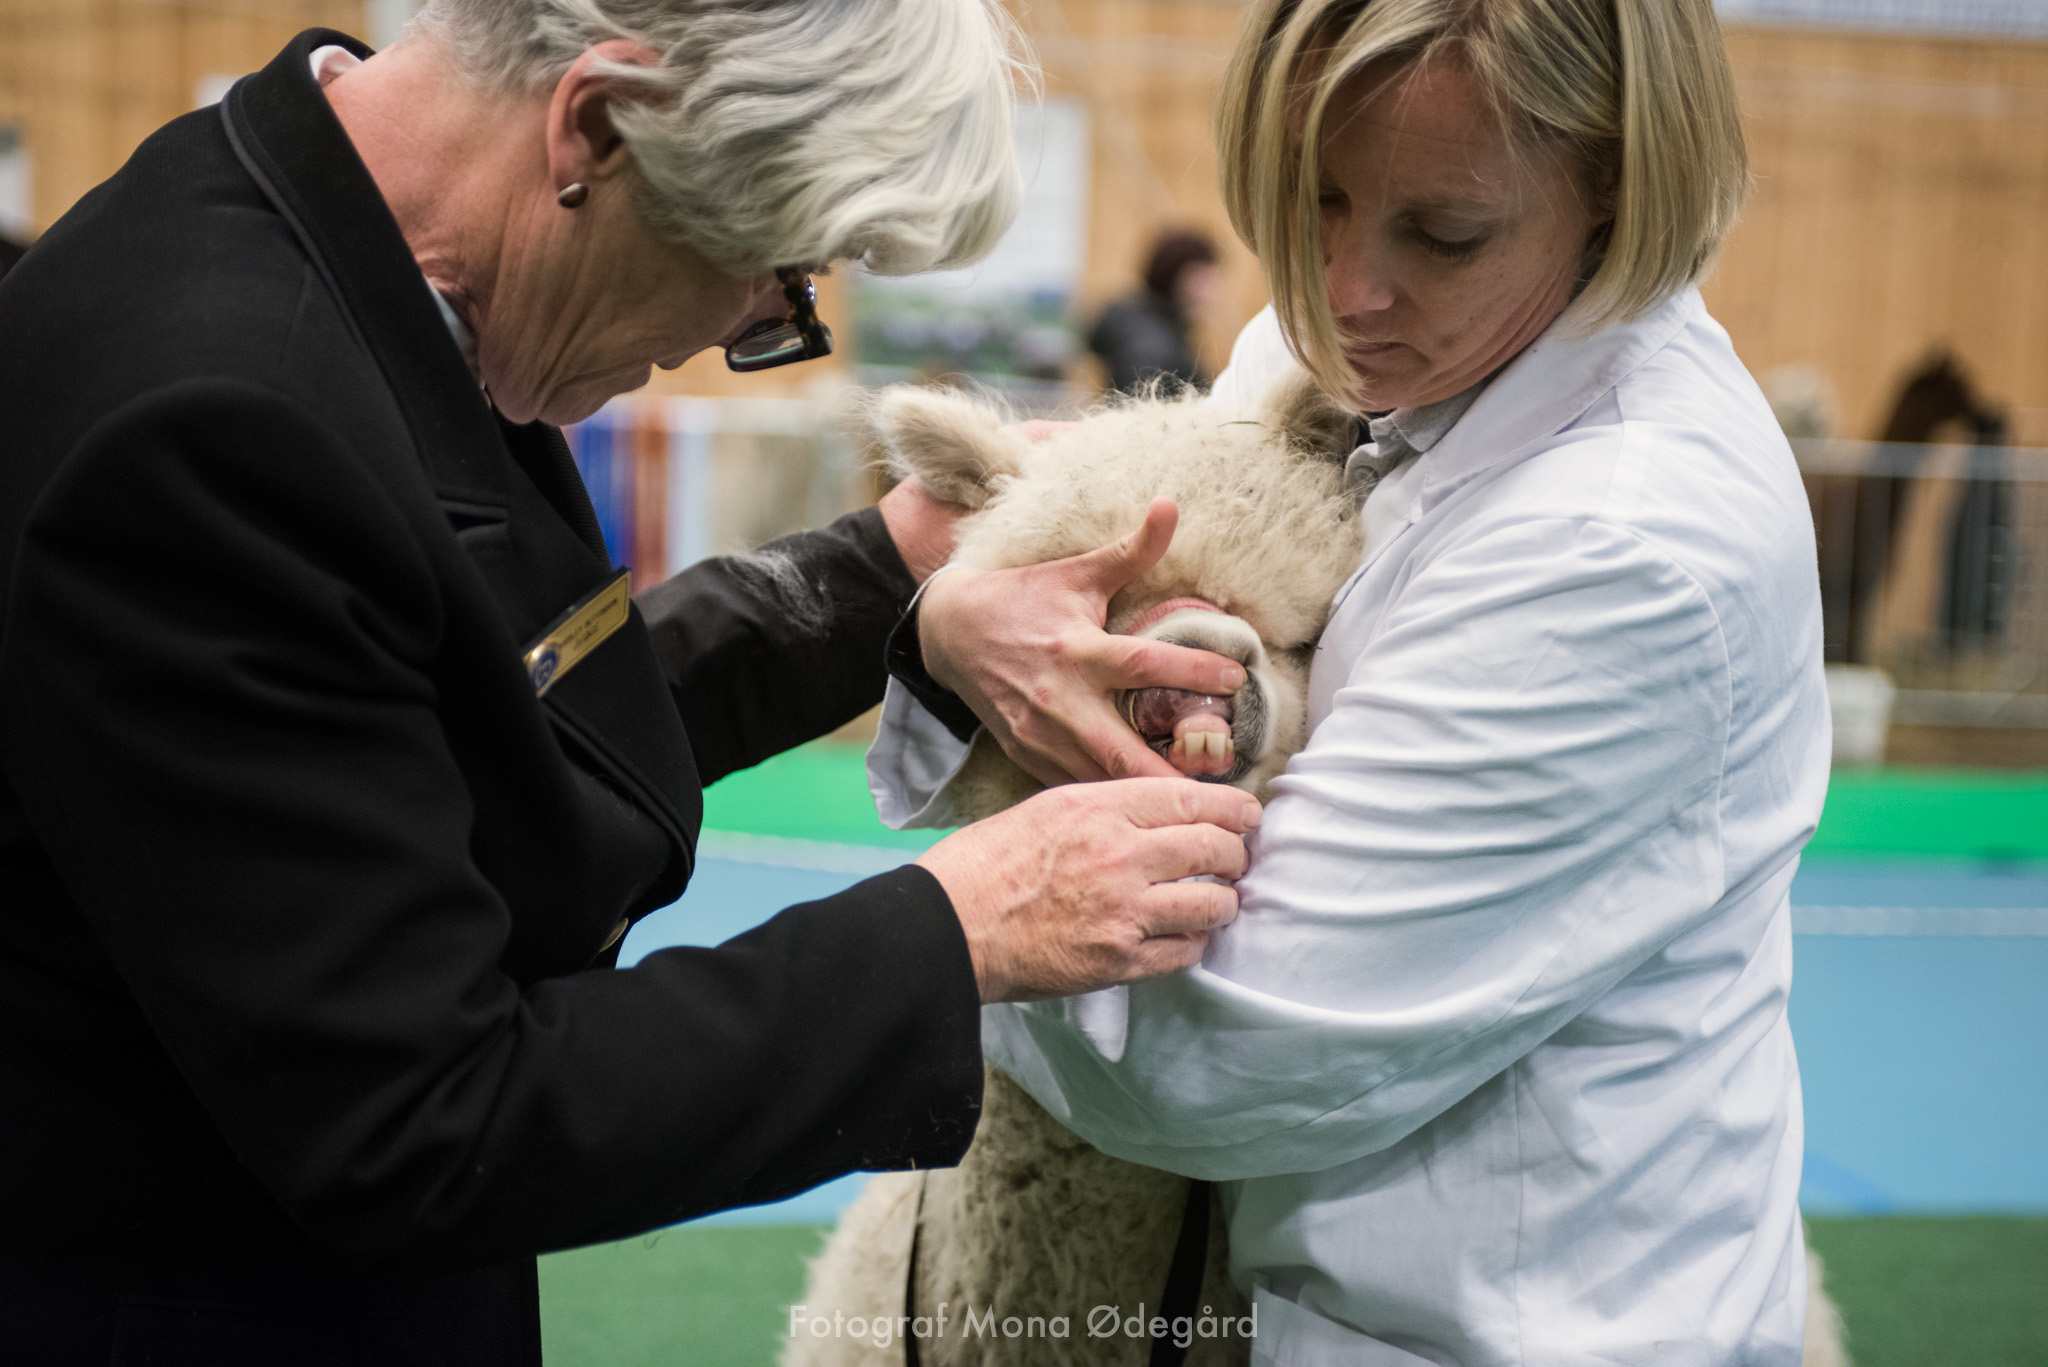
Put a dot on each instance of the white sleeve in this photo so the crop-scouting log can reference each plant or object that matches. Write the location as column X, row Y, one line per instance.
column 912, row 757
column 1514, row 802
column 1259, row 354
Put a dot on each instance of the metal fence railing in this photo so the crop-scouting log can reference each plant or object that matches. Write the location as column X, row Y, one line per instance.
column 1933, row 559
column 1934, row 568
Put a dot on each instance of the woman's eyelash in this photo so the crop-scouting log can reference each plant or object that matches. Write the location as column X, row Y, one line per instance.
column 1454, row 251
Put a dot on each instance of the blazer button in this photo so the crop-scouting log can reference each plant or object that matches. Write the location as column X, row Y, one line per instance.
column 613, row 938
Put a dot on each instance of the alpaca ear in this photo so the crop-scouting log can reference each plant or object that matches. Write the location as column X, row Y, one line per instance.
column 1309, row 417
column 952, row 444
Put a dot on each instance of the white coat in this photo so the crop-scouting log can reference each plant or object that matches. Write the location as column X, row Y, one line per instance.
column 1494, row 1064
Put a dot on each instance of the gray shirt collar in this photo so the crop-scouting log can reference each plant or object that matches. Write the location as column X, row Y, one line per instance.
column 465, row 340
column 1406, row 432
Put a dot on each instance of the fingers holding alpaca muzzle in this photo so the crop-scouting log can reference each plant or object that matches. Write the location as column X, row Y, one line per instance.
column 1179, row 918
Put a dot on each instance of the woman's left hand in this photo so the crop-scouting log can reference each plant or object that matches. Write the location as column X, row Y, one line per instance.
column 1025, row 649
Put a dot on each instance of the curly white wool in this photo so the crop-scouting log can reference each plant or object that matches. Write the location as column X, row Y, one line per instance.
column 779, row 132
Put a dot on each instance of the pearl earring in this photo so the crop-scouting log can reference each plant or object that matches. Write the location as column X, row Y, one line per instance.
column 572, row 196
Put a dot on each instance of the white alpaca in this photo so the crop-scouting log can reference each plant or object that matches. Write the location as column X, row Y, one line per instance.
column 1036, row 1227
column 1035, row 1222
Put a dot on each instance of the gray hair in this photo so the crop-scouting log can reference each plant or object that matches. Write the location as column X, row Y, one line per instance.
column 787, row 132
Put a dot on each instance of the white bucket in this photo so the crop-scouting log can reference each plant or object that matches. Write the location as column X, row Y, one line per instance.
column 1860, row 701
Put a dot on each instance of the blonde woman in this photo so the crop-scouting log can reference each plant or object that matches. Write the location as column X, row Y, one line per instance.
column 1494, row 1066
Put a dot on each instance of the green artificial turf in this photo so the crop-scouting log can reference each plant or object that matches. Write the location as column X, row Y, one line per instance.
column 1914, row 1292
column 816, row 792
column 1925, row 1291
column 820, row 792
column 1938, row 813
column 718, row 1295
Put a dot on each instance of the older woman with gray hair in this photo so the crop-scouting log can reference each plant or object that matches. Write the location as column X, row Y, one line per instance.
column 338, row 757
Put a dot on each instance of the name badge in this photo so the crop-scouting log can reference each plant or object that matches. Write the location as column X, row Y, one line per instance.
column 579, row 631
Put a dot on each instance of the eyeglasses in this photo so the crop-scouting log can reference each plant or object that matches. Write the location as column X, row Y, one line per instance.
column 799, row 337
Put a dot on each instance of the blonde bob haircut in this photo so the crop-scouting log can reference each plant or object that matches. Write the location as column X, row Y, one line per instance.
column 1636, row 93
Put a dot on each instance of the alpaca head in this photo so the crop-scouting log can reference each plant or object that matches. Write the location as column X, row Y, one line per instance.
column 1268, row 532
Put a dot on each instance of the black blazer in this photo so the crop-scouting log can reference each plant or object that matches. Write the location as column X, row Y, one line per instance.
column 307, row 903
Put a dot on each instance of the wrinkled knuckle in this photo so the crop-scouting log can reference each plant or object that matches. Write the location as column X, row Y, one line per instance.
column 1076, row 644
column 1221, row 851
column 1233, row 850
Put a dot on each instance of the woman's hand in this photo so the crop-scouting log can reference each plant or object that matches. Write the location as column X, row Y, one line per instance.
column 1025, row 649
column 1076, row 889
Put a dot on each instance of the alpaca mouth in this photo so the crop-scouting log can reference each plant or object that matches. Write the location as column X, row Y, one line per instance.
column 1208, row 738
column 1212, row 738
column 1167, row 714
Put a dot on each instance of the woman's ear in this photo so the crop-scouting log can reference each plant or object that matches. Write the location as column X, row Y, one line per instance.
column 954, row 445
column 584, row 145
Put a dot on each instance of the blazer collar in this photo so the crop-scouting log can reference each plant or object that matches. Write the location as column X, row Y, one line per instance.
column 286, row 134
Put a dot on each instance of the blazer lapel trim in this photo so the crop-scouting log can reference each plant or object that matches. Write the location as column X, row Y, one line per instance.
column 286, row 136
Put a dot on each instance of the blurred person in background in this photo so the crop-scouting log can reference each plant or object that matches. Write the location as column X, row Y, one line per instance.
column 1494, row 1067
column 1148, row 335
column 337, row 761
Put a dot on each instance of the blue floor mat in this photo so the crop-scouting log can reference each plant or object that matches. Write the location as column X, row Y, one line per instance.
column 1919, row 1008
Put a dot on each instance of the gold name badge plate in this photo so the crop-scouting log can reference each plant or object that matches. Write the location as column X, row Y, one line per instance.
column 580, row 630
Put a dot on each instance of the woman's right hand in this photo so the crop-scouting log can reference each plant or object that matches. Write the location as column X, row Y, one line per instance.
column 1025, row 648
column 1076, row 889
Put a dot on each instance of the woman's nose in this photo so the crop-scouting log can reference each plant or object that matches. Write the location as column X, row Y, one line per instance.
column 1357, row 278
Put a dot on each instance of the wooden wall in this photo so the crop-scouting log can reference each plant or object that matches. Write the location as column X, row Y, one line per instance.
column 1149, row 72
column 87, row 80
column 1900, row 202
column 1901, row 191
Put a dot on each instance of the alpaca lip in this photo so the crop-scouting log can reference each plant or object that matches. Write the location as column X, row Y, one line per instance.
column 1160, row 610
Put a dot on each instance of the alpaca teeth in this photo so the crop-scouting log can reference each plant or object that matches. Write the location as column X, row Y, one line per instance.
column 1195, row 746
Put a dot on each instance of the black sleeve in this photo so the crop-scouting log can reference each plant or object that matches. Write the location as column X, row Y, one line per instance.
column 905, row 657
column 766, row 651
column 220, row 705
